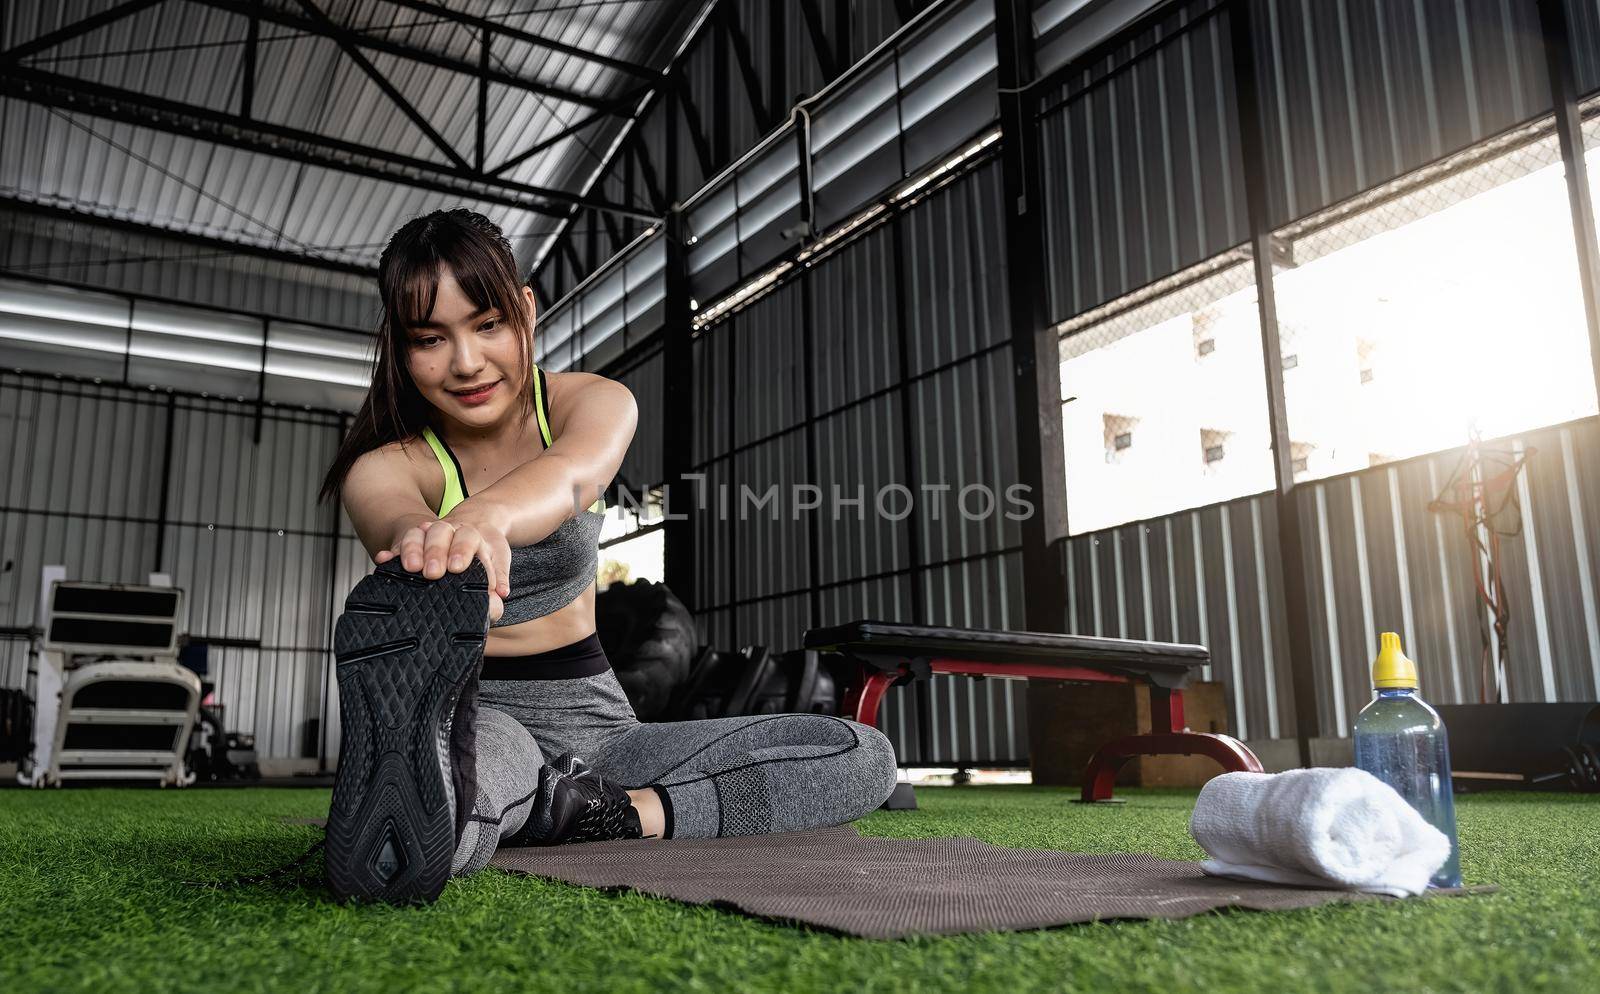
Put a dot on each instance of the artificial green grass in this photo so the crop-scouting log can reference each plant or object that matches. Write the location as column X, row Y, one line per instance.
column 91, row 899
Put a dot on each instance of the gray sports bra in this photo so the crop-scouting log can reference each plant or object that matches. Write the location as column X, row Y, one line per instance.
column 549, row 574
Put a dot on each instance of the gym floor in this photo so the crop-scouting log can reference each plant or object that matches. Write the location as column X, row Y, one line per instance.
column 93, row 899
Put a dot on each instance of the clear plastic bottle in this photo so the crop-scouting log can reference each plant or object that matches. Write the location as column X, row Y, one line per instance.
column 1402, row 741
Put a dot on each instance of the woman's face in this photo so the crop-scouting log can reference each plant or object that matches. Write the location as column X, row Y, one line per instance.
column 465, row 361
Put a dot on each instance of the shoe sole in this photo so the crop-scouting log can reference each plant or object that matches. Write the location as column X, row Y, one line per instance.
column 406, row 646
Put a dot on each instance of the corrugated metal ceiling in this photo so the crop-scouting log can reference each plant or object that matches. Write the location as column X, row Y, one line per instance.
column 192, row 52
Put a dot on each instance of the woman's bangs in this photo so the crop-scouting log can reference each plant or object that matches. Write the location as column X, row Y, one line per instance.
column 415, row 291
column 482, row 280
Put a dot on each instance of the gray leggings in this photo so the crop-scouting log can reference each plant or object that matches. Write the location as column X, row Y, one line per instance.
column 721, row 776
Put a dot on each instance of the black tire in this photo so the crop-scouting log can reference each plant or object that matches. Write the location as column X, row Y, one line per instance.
column 16, row 725
column 649, row 636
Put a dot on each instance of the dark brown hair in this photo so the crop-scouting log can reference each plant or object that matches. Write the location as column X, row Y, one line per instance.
column 475, row 251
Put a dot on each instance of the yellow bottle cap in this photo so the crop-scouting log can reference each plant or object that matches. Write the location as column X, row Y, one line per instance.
column 1392, row 668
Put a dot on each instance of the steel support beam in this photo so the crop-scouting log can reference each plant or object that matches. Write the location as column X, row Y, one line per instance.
column 484, row 24
column 614, row 233
column 1291, row 548
column 678, row 406
column 559, row 136
column 819, row 39
column 678, row 388
column 661, row 100
column 1035, row 352
column 647, row 173
column 75, row 29
column 779, row 98
column 721, row 91
column 325, row 27
column 204, row 241
column 353, row 53
column 192, row 121
column 1569, row 133
column 740, row 43
column 481, row 142
column 841, row 35
column 247, row 79
column 695, row 124
column 166, row 484
column 571, row 253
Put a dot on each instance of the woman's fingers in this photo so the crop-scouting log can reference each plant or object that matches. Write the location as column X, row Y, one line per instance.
column 463, row 546
column 468, row 544
column 409, row 546
column 497, row 553
column 436, row 549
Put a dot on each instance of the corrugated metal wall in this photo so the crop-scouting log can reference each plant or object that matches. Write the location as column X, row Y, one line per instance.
column 643, row 465
column 1209, row 576
column 1142, row 140
column 234, row 523
column 1357, row 92
column 780, row 41
column 876, row 366
column 85, row 253
column 1377, row 560
column 1142, row 153
column 887, row 362
column 1583, row 26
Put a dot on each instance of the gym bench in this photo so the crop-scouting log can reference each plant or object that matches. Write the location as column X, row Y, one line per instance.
column 884, row 654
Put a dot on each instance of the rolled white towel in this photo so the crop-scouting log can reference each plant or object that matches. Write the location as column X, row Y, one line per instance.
column 1341, row 828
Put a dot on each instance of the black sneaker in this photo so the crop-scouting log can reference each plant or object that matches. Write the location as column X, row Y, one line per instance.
column 576, row 804
column 409, row 651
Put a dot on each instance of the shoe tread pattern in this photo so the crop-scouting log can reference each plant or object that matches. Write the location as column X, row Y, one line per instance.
column 400, row 672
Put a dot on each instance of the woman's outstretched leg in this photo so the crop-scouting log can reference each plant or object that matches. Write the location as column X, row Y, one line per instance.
column 756, row 774
column 508, row 761
column 408, row 652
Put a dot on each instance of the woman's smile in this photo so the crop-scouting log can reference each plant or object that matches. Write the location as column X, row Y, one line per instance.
column 477, row 396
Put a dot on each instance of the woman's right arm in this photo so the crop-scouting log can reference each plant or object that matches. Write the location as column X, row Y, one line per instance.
column 382, row 494
column 383, row 497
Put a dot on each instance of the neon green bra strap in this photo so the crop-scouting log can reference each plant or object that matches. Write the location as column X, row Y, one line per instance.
column 539, row 401
column 455, row 490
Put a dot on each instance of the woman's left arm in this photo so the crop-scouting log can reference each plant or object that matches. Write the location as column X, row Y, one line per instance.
column 592, row 433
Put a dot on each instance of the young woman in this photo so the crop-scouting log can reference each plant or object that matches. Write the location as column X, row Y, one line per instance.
column 472, row 477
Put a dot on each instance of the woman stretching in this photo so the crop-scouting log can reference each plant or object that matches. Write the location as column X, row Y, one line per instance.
column 473, row 478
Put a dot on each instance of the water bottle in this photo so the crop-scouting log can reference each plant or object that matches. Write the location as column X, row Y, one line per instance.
column 1401, row 741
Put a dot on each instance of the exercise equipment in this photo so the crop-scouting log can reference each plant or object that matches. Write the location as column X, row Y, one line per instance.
column 1526, row 746
column 754, row 680
column 16, row 724
column 882, row 654
column 111, row 701
column 649, row 636
column 216, row 755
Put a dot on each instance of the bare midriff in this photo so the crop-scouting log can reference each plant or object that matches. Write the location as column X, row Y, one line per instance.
column 568, row 624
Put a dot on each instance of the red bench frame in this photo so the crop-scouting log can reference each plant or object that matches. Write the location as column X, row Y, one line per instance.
column 1169, row 734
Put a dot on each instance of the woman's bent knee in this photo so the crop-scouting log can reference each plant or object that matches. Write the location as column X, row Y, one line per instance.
column 877, row 768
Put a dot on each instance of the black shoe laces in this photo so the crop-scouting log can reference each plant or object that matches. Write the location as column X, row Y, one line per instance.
column 606, row 813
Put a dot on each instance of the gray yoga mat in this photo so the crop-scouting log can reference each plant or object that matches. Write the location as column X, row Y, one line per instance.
column 837, row 879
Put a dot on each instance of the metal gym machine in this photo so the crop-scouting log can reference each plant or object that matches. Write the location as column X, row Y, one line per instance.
column 110, row 700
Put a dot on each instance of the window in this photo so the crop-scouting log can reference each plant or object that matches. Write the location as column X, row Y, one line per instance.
column 1205, row 340
column 1149, row 372
column 1118, row 435
column 1448, row 304
column 1300, row 458
column 641, row 557
column 1213, row 445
